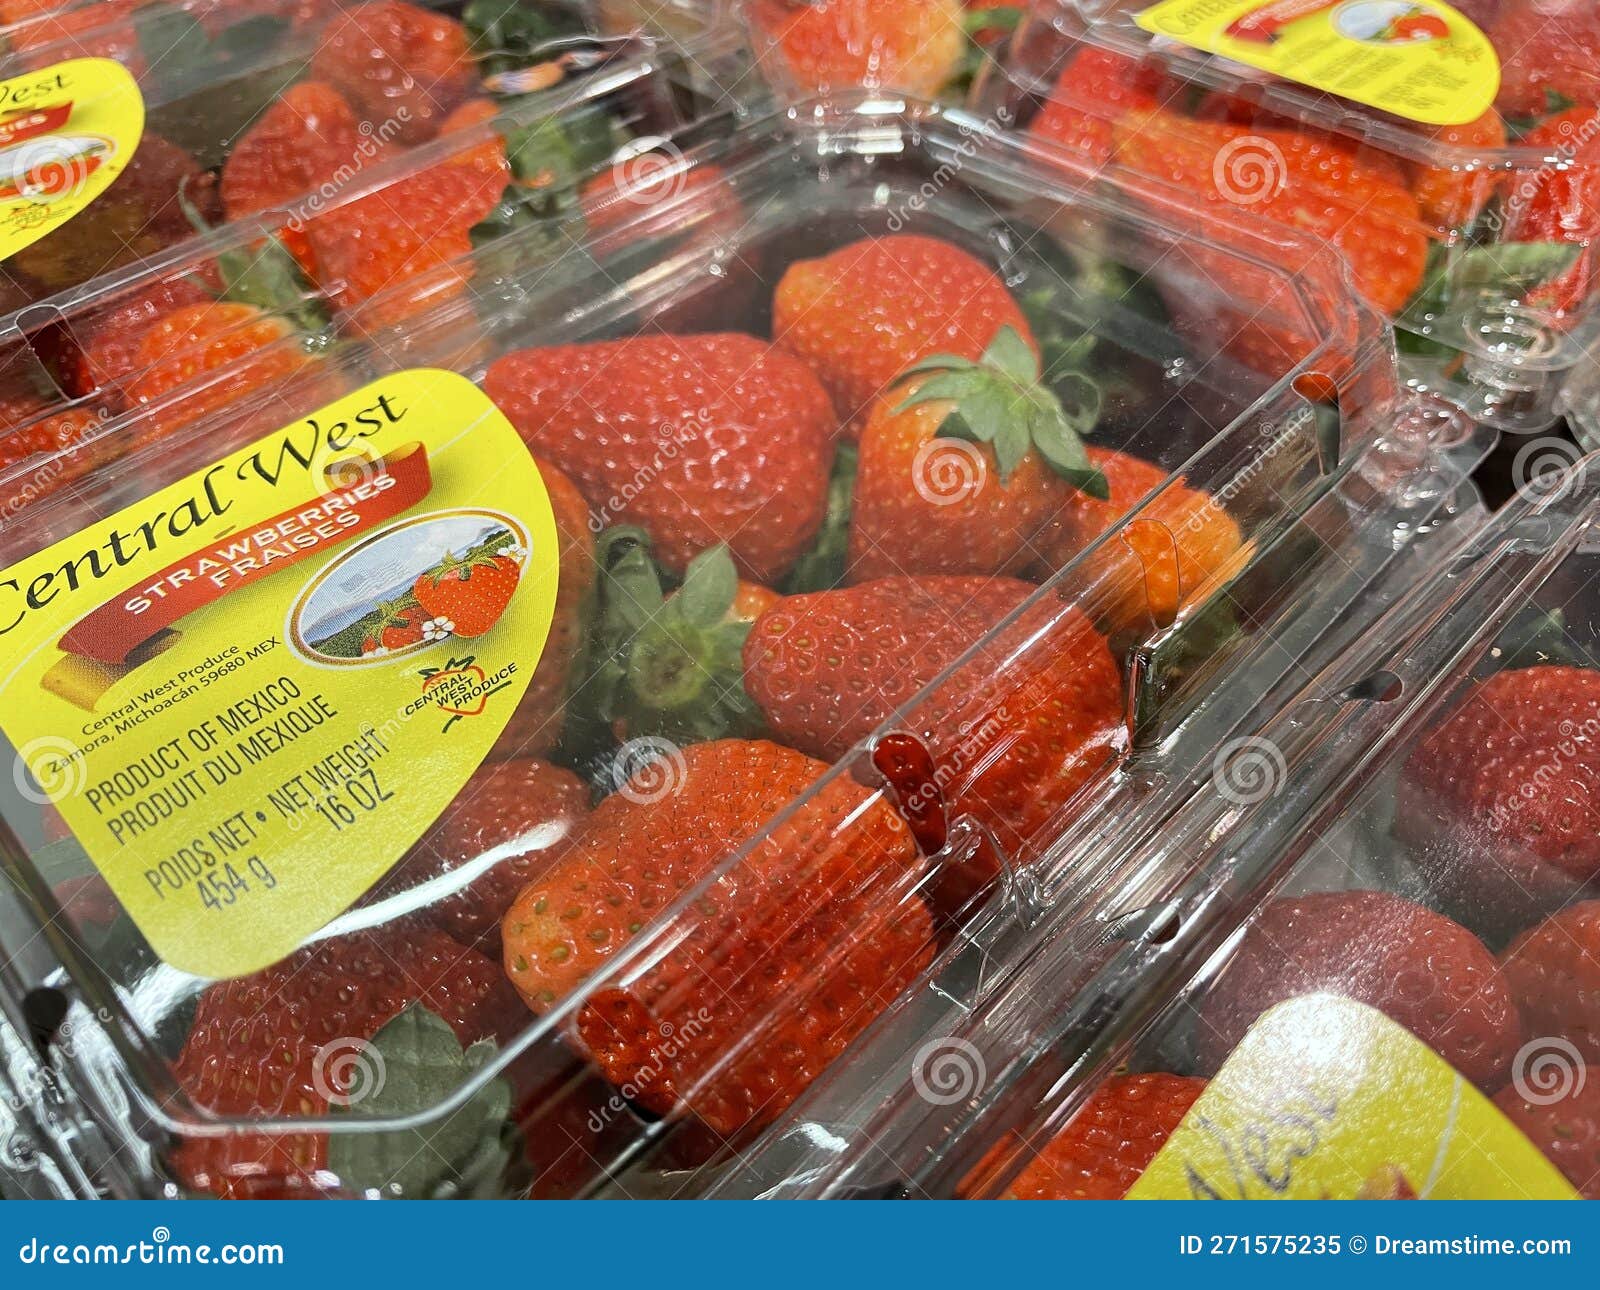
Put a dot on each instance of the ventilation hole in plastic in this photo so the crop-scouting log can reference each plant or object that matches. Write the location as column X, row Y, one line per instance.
column 1380, row 687
column 44, row 1008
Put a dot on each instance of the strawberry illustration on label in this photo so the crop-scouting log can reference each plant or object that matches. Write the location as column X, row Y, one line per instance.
column 465, row 597
column 399, row 627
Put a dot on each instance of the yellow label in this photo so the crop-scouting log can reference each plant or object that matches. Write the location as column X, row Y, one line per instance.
column 253, row 691
column 65, row 133
column 1326, row 1098
column 1419, row 59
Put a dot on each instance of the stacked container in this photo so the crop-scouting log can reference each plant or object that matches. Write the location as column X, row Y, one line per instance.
column 1447, row 151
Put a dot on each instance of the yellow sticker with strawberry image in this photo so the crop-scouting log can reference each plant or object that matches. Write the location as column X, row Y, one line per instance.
column 66, row 133
column 1418, row 59
column 1328, row 1099
column 249, row 694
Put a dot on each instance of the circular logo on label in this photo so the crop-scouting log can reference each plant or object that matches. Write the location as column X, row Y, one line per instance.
column 429, row 580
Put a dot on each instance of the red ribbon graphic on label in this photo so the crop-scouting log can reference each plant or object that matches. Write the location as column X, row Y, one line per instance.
column 378, row 491
column 37, row 121
column 1264, row 23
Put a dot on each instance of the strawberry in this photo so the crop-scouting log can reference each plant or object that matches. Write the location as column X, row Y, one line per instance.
column 140, row 213
column 1566, row 1129
column 43, row 441
column 1561, row 203
column 1452, row 197
column 535, row 728
column 863, row 315
column 519, row 815
column 1014, row 734
column 784, row 960
column 914, row 46
column 399, row 64
column 1500, row 803
column 399, row 627
column 1310, row 183
column 103, row 29
column 1553, row 970
column 246, row 349
column 960, row 469
column 1430, row 975
column 1549, row 53
column 698, row 440
column 261, row 1046
column 417, row 229
column 1110, row 1142
column 307, row 138
column 111, row 337
column 1182, row 541
column 1094, row 88
column 466, row 595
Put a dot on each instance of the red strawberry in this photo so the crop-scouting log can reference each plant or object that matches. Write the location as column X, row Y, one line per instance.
column 110, row 338
column 104, row 29
column 699, row 440
column 43, row 442
column 400, row 627
column 535, row 727
column 1014, row 735
column 1561, row 203
column 1549, row 51
column 259, row 1046
column 306, row 139
column 1183, row 541
column 1553, row 970
column 1451, row 197
column 1501, row 802
column 864, row 314
column 784, row 960
column 248, row 351
column 139, row 214
column 416, row 230
column 1095, row 87
column 1566, row 1129
column 399, row 64
column 519, row 817
column 1110, row 1142
column 914, row 46
column 1430, row 975
column 927, row 503
column 1310, row 183
column 466, row 596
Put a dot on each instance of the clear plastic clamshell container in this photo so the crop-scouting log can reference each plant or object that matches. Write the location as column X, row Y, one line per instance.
column 565, row 736
column 1362, row 963
column 352, row 214
column 1449, row 151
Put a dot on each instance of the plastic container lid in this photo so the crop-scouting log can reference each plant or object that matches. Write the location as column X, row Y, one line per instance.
column 588, row 876
column 338, row 235
column 1474, row 218
column 1395, row 911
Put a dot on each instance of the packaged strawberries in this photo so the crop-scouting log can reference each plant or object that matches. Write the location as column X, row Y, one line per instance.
column 1448, row 151
column 573, row 723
